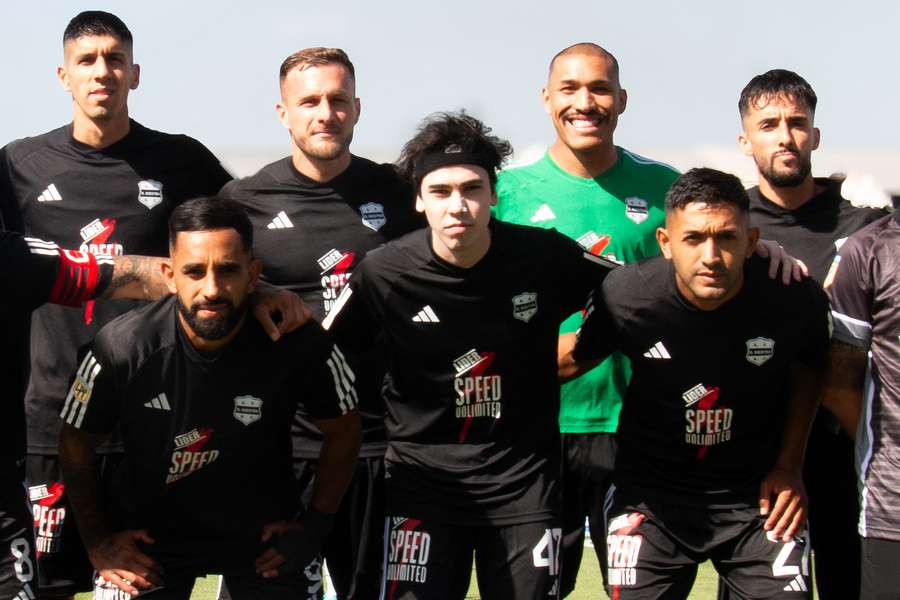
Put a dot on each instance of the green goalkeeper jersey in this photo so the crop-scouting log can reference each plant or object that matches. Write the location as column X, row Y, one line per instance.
column 614, row 215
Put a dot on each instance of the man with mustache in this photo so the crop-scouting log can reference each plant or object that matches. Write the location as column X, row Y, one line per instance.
column 610, row 201
column 811, row 220
column 726, row 366
column 315, row 214
column 105, row 184
column 205, row 401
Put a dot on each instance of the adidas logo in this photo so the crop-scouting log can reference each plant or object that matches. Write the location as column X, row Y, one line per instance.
column 280, row 221
column 51, row 194
column 658, row 351
column 797, row 585
column 426, row 315
column 543, row 213
column 159, row 402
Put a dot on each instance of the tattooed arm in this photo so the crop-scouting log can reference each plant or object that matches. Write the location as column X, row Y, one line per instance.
column 137, row 278
column 844, row 382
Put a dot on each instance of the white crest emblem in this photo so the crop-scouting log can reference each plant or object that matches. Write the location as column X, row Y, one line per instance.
column 150, row 193
column 373, row 215
column 760, row 350
column 636, row 209
column 247, row 409
column 525, row 306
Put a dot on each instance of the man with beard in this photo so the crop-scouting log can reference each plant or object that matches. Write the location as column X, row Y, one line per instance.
column 105, row 184
column 205, row 400
column 315, row 214
column 811, row 220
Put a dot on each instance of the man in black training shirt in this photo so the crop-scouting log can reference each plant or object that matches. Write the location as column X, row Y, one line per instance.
column 315, row 214
column 470, row 311
column 42, row 272
column 204, row 400
column 104, row 184
column 811, row 220
column 713, row 428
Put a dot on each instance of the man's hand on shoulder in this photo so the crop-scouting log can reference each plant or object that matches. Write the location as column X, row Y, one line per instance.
column 793, row 269
column 278, row 311
column 119, row 561
column 787, row 515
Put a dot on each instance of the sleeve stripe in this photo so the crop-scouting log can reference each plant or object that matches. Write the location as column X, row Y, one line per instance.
column 350, row 374
column 850, row 330
column 80, row 393
column 342, row 382
column 76, row 278
column 338, row 305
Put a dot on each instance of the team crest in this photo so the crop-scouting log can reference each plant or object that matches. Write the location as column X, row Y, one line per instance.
column 150, row 193
column 760, row 350
column 636, row 209
column 373, row 215
column 525, row 306
column 247, row 409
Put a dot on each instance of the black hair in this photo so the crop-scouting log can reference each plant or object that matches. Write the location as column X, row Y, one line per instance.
column 777, row 83
column 455, row 133
column 94, row 23
column 707, row 186
column 209, row 214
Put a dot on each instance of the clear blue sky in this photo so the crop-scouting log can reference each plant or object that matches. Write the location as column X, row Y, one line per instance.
column 209, row 68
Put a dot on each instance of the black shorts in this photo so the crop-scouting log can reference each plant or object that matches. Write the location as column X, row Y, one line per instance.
column 431, row 561
column 63, row 565
column 17, row 560
column 880, row 569
column 654, row 549
column 588, row 460
column 240, row 588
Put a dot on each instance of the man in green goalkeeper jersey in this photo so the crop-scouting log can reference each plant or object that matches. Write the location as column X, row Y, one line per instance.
column 611, row 201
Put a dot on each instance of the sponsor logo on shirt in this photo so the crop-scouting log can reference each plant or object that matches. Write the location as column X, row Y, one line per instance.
column 760, row 350
column 478, row 393
column 705, row 425
column 525, row 306
column 659, row 352
column 409, row 550
column 426, row 315
column 159, row 402
column 637, row 209
column 96, row 236
column 190, row 454
column 281, row 221
column 150, row 193
column 373, row 215
column 48, row 517
column 623, row 549
column 247, row 409
column 339, row 264
column 595, row 244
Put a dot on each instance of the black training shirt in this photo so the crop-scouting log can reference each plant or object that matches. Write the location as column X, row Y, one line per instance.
column 207, row 437
column 701, row 422
column 111, row 201
column 472, row 394
column 310, row 236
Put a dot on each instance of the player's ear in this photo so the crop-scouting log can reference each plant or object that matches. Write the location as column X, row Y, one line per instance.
column 63, row 77
column 420, row 204
column 135, row 76
column 744, row 144
column 255, row 270
column 545, row 98
column 752, row 239
column 358, row 105
column 623, row 100
column 816, row 138
column 168, row 272
column 662, row 238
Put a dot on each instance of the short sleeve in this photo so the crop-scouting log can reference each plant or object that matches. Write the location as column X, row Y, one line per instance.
column 600, row 333
column 579, row 271
column 850, row 290
column 328, row 382
column 351, row 320
column 93, row 403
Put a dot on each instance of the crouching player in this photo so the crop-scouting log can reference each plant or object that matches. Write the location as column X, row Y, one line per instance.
column 204, row 400
column 715, row 421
